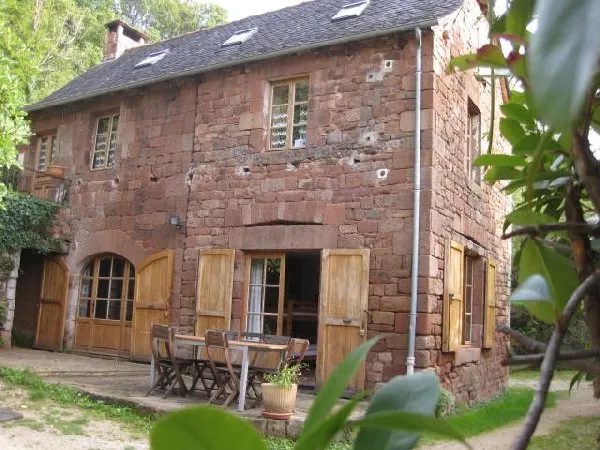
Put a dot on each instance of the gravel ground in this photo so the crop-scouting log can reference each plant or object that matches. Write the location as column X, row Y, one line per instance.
column 48, row 426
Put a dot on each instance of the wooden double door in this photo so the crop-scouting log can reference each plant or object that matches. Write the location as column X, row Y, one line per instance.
column 342, row 308
column 116, row 304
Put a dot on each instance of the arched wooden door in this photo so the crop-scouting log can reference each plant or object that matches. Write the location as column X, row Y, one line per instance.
column 52, row 305
column 152, row 299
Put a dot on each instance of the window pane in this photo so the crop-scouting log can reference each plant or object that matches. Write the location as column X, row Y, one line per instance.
column 131, row 289
column 86, row 288
column 102, row 289
column 300, row 113
column 255, row 299
column 101, row 308
column 84, row 308
column 468, row 299
column 278, row 137
column 42, row 155
column 131, row 271
column 98, row 160
column 116, row 288
column 114, row 310
column 279, row 116
column 105, row 267
column 54, row 149
column 301, row 91
column 118, row 268
column 89, row 269
column 115, row 123
column 129, row 312
column 299, row 136
column 103, row 125
column 281, row 94
column 271, row 299
column 273, row 270
column 270, row 325
column 467, row 329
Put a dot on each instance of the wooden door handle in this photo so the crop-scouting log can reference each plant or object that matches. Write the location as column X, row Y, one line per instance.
column 347, row 321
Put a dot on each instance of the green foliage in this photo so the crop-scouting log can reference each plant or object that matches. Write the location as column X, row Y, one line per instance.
column 6, row 266
column 24, row 222
column 39, row 390
column 562, row 63
column 285, row 376
column 50, row 42
column 398, row 414
column 446, row 403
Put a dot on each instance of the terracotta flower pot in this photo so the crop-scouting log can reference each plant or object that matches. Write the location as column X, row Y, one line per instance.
column 279, row 401
column 56, row 171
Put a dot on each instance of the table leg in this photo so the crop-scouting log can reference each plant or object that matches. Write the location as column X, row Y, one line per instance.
column 243, row 379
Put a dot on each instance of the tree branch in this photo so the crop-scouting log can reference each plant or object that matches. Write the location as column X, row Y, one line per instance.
column 549, row 362
column 535, row 230
column 516, row 360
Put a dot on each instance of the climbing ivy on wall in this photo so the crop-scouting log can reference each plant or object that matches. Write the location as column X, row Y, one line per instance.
column 24, row 221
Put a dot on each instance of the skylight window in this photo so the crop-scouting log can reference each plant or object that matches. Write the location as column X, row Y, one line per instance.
column 351, row 10
column 240, row 36
column 152, row 58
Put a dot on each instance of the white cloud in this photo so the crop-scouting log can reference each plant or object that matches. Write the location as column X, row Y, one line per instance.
column 238, row 9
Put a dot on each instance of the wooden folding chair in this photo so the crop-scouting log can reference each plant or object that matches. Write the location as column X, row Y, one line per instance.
column 167, row 367
column 217, row 346
column 296, row 351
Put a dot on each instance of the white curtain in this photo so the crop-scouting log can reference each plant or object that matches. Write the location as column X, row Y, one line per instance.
column 255, row 297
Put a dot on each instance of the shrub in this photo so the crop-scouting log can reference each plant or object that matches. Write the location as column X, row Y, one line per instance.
column 285, row 377
column 446, row 403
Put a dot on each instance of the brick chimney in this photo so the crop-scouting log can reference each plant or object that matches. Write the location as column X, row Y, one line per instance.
column 119, row 37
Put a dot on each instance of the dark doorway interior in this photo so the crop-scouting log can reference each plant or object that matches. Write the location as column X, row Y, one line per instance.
column 302, row 274
column 29, row 286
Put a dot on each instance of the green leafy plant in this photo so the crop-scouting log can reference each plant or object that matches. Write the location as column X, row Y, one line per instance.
column 446, row 403
column 551, row 171
column 25, row 221
column 397, row 415
column 285, row 376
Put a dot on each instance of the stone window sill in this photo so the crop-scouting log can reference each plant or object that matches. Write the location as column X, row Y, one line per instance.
column 467, row 354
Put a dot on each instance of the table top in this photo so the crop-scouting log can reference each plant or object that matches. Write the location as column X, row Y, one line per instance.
column 252, row 344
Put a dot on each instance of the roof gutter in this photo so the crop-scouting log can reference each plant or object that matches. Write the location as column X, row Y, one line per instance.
column 357, row 37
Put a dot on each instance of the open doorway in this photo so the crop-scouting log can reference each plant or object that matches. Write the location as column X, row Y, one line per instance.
column 283, row 299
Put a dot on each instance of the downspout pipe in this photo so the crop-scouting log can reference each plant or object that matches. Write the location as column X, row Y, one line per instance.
column 414, row 275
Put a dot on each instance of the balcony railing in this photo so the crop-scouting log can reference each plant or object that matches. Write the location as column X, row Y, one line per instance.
column 40, row 184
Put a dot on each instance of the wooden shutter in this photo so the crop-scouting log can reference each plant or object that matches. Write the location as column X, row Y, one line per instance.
column 343, row 306
column 215, row 288
column 153, row 283
column 453, row 298
column 52, row 305
column 489, row 307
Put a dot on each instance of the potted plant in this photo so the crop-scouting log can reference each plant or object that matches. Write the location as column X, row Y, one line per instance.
column 279, row 392
column 56, row 171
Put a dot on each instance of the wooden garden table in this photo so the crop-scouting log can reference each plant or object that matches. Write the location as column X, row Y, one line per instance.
column 244, row 346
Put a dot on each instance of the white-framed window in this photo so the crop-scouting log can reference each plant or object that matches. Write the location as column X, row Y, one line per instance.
column 105, row 141
column 351, row 10
column 265, row 294
column 47, row 151
column 239, row 37
column 289, row 114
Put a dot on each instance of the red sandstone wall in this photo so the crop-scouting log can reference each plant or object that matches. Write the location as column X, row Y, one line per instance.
column 463, row 210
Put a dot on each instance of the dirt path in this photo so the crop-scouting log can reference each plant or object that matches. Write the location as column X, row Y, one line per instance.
column 48, row 426
column 580, row 403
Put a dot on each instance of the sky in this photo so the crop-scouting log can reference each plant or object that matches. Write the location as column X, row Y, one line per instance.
column 239, row 9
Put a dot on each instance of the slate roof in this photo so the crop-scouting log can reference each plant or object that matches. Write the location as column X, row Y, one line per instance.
column 301, row 27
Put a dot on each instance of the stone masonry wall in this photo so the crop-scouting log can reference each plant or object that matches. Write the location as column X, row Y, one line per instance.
column 124, row 209
column 463, row 210
column 351, row 187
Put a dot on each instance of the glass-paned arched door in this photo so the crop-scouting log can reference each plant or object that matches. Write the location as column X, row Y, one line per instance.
column 105, row 305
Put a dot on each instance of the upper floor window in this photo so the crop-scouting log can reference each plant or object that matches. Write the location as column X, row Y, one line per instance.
column 289, row 112
column 103, row 156
column 473, row 141
column 47, row 150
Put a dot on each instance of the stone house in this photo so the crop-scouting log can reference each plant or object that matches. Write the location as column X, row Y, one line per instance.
column 260, row 176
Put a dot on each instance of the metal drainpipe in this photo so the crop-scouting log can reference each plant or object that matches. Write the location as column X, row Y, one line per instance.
column 412, row 318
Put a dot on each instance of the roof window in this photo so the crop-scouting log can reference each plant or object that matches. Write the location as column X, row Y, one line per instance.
column 351, row 10
column 152, row 58
column 239, row 37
